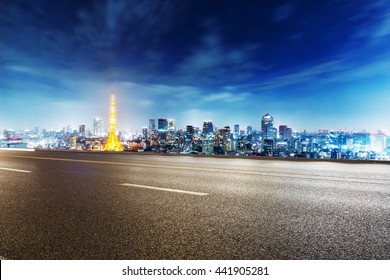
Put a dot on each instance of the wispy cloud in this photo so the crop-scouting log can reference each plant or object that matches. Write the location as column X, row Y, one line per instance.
column 331, row 72
column 318, row 72
column 383, row 28
column 226, row 97
column 283, row 12
column 211, row 62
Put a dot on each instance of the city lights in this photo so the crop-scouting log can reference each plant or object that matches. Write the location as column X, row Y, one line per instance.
column 112, row 143
column 162, row 136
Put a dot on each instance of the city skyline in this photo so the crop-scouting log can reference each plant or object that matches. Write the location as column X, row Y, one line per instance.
column 321, row 65
column 104, row 127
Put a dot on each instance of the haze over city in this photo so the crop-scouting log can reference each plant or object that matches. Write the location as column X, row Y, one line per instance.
column 311, row 64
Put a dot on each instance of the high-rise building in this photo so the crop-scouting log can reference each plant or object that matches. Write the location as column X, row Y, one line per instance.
column 82, row 130
column 285, row 133
column 208, row 145
column 267, row 126
column 268, row 133
column 171, row 124
column 222, row 141
column 226, row 132
column 190, row 131
column 162, row 125
column 282, row 132
column 249, row 130
column 145, row 133
column 236, row 129
column 98, row 127
column 208, row 128
column 288, row 133
column 152, row 125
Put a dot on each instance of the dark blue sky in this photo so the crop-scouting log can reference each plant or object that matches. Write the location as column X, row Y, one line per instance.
column 310, row 64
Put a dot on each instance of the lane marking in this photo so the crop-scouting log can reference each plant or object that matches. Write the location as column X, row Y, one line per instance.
column 237, row 172
column 163, row 189
column 18, row 149
column 16, row 170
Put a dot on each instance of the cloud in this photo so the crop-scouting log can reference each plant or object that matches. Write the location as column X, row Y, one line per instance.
column 212, row 62
column 383, row 28
column 172, row 95
column 283, row 12
column 373, row 23
column 331, row 72
column 303, row 76
column 21, row 68
column 226, row 97
column 22, row 80
column 145, row 103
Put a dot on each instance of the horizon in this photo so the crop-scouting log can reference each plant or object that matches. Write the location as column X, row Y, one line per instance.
column 313, row 66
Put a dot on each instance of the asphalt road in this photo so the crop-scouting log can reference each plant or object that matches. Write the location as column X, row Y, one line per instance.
column 65, row 205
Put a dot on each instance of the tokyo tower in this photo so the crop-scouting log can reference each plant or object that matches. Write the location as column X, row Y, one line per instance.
column 113, row 143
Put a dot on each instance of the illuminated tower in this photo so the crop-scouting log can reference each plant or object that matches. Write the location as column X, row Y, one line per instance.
column 113, row 143
column 268, row 133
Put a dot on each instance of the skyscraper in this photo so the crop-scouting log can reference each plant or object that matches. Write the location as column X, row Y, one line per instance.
column 288, row 133
column 282, row 132
column 267, row 127
column 190, row 132
column 98, row 127
column 112, row 143
column 171, row 124
column 82, row 130
column 236, row 129
column 285, row 133
column 207, row 128
column 162, row 125
column 152, row 125
column 268, row 133
column 144, row 133
column 249, row 130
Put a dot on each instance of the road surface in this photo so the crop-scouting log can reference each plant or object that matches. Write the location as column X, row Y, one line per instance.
column 65, row 205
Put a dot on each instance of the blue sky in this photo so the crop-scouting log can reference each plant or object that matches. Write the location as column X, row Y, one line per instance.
column 310, row 64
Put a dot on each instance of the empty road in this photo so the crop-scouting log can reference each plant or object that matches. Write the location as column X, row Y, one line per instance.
column 66, row 205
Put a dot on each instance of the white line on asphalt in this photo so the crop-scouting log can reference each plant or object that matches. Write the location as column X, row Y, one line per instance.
column 16, row 170
column 18, row 149
column 163, row 189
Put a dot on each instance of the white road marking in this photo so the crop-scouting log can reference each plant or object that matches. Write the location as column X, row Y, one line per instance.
column 18, row 149
column 16, row 170
column 164, row 189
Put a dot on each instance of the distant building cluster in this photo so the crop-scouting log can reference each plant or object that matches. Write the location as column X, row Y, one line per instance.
column 162, row 136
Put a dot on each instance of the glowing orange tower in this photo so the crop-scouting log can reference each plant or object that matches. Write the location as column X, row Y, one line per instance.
column 113, row 143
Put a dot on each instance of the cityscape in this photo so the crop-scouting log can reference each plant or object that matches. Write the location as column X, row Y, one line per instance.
column 265, row 139
column 195, row 130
